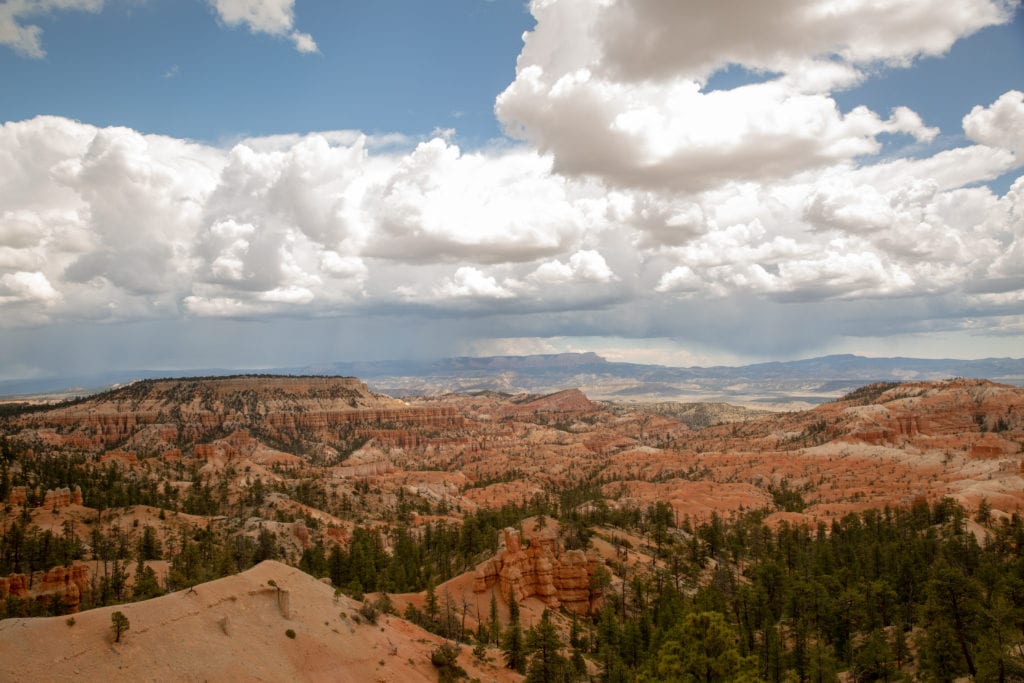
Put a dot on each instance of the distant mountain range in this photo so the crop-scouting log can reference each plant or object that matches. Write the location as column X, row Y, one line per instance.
column 789, row 384
column 782, row 384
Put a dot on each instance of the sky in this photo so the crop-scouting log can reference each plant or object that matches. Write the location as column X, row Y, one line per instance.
column 270, row 183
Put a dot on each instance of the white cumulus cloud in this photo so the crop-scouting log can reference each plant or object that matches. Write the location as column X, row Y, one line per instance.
column 440, row 203
column 273, row 17
column 584, row 266
column 652, row 39
column 470, row 282
column 23, row 287
column 19, row 33
column 999, row 125
column 617, row 90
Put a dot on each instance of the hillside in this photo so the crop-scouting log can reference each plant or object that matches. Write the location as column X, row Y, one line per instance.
column 320, row 415
column 230, row 629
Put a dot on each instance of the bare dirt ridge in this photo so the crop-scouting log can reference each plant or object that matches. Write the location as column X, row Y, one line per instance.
column 230, row 629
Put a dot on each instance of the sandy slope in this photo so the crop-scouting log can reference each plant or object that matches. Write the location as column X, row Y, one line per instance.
column 230, row 629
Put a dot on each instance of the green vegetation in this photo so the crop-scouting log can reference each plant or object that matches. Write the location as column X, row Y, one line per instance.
column 119, row 623
column 879, row 595
column 445, row 658
column 786, row 498
column 438, row 550
column 512, row 644
column 869, row 393
column 546, row 661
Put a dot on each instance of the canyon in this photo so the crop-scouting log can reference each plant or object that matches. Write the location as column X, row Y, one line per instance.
column 309, row 464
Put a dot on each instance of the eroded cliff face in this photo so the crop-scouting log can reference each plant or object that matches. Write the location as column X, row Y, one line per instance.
column 52, row 498
column 159, row 415
column 64, row 584
column 973, row 415
column 540, row 568
column 957, row 414
column 568, row 401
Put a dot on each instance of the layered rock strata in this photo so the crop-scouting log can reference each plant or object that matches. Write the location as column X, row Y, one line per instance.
column 286, row 408
column 59, row 498
column 64, row 584
column 541, row 569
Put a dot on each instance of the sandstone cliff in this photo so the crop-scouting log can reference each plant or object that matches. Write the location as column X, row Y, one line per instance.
column 541, row 568
column 52, row 498
column 64, row 584
column 568, row 401
column 157, row 415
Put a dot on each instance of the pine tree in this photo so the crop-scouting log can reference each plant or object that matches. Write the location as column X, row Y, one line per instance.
column 547, row 663
column 900, row 649
column 494, row 624
column 119, row 622
column 607, row 642
column 703, row 648
column 512, row 643
column 431, row 610
column 575, row 634
column 952, row 613
column 514, row 648
column 872, row 660
column 149, row 545
column 145, row 585
column 449, row 618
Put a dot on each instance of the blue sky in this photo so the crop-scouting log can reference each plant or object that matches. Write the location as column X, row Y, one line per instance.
column 174, row 68
column 253, row 183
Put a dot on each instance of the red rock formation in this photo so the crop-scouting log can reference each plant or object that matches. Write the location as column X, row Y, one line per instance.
column 542, row 570
column 62, row 497
column 605, row 444
column 187, row 410
column 66, row 584
column 992, row 446
column 363, row 470
column 15, row 585
column 301, row 533
column 339, row 535
column 568, row 401
column 19, row 495
column 124, row 458
column 211, row 451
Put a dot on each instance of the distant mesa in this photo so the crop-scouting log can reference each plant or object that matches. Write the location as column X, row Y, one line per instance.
column 568, row 401
column 281, row 407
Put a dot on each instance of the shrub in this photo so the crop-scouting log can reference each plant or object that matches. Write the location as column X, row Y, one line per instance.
column 290, row 633
column 369, row 612
column 384, row 604
column 445, row 659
